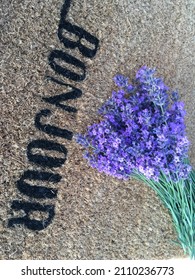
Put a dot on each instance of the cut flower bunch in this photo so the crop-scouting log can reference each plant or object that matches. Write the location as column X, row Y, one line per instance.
column 142, row 135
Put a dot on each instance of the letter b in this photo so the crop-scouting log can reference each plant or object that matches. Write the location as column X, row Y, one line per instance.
column 81, row 34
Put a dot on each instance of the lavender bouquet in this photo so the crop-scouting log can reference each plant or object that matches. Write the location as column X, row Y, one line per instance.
column 142, row 135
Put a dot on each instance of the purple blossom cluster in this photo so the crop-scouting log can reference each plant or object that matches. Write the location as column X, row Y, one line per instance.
column 142, row 130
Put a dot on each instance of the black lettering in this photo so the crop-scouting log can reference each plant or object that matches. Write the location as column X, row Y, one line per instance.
column 65, row 8
column 38, row 191
column 57, row 54
column 46, row 161
column 50, row 129
column 57, row 99
column 81, row 34
column 29, row 208
column 87, row 45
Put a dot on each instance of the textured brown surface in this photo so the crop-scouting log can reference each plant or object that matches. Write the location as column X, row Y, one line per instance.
column 97, row 217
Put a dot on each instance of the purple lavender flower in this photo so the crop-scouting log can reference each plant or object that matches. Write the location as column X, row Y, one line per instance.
column 82, row 140
column 141, row 131
column 121, row 81
column 175, row 96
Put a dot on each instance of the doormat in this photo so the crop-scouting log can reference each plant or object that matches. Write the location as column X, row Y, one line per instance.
column 58, row 61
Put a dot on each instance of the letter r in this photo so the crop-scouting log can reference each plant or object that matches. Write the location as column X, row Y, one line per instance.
column 28, row 208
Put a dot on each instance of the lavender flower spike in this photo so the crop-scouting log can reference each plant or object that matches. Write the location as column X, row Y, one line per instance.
column 143, row 128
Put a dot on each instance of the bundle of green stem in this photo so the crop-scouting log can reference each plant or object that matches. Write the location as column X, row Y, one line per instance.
column 179, row 198
column 142, row 134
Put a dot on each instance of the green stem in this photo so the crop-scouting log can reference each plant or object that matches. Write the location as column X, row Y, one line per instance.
column 179, row 198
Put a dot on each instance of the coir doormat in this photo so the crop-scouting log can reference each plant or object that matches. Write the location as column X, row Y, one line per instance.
column 58, row 60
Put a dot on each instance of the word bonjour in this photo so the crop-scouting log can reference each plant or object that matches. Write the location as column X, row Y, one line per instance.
column 84, row 40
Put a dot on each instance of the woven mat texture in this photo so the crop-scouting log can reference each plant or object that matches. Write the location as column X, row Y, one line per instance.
column 96, row 216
